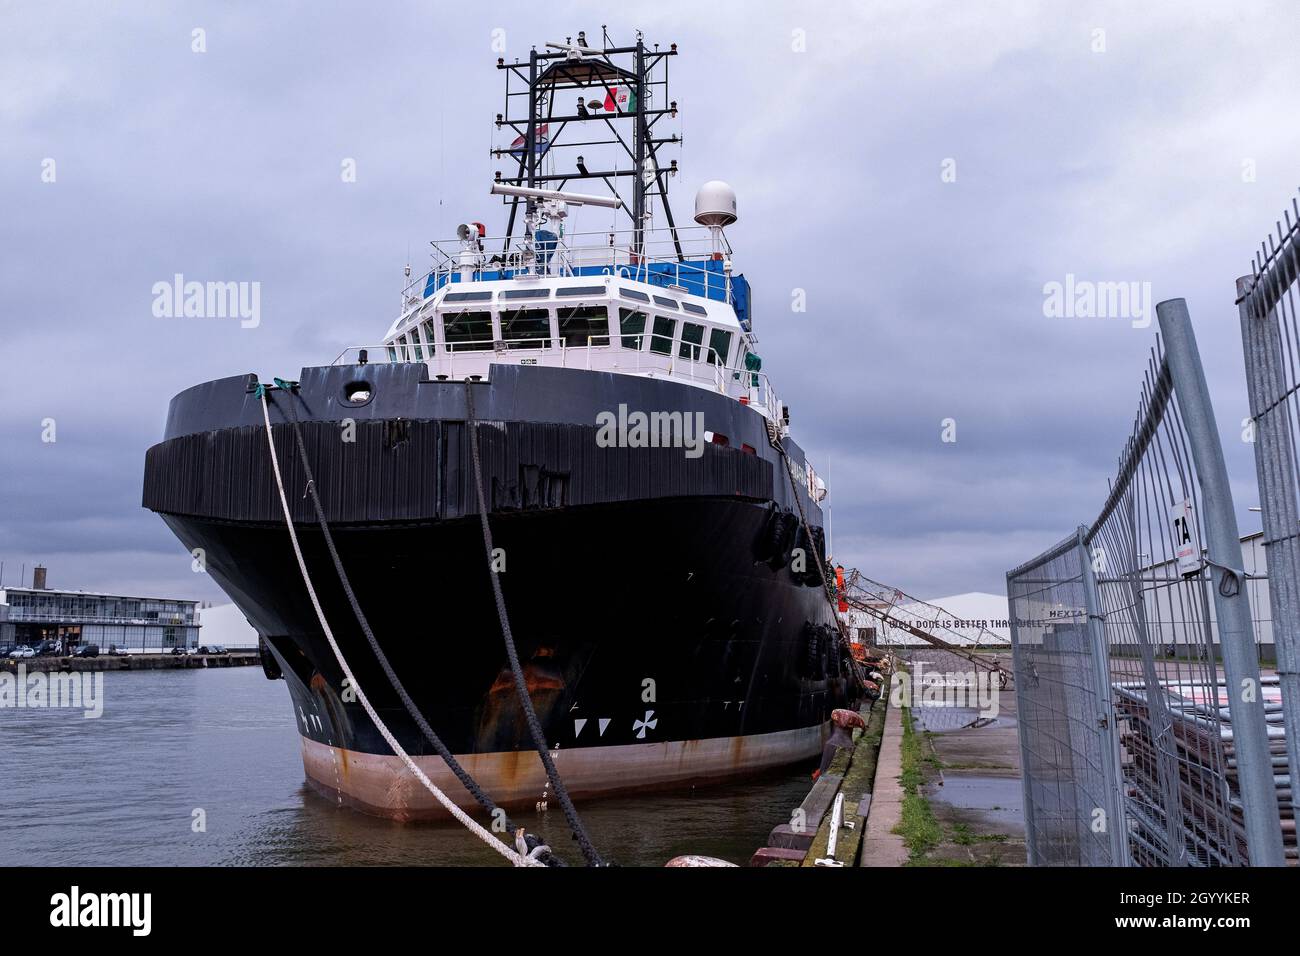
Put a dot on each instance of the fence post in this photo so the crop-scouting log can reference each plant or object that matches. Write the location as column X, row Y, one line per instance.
column 1108, row 733
column 1261, row 341
column 1231, row 604
column 1020, row 677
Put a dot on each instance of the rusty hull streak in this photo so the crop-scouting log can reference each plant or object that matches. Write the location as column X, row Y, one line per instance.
column 381, row 784
column 501, row 724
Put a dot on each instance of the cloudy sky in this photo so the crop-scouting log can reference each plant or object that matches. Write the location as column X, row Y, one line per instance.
column 1094, row 139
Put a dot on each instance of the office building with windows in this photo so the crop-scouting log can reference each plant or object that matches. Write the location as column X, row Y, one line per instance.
column 32, row 615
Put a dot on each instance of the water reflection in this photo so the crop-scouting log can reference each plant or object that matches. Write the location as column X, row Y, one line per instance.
column 220, row 746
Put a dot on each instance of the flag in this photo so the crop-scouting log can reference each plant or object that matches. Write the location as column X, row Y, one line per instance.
column 540, row 146
column 620, row 99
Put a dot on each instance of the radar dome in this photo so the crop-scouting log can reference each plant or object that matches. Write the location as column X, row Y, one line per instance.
column 715, row 204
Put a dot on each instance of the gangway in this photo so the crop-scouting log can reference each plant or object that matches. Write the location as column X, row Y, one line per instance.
column 920, row 619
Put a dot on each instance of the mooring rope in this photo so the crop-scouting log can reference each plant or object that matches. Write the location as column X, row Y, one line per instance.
column 467, row 781
column 516, row 858
column 521, row 687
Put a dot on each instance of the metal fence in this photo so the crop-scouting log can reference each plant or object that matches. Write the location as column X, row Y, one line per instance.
column 1270, row 334
column 1143, row 721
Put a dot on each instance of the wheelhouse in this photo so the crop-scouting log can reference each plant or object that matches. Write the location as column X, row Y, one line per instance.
column 681, row 317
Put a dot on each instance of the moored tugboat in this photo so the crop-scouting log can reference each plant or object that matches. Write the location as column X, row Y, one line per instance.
column 659, row 530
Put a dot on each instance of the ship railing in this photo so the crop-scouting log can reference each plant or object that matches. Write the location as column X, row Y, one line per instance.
column 631, row 354
column 607, row 252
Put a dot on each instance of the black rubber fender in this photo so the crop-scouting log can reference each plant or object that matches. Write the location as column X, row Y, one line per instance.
column 784, row 529
column 270, row 666
column 763, row 540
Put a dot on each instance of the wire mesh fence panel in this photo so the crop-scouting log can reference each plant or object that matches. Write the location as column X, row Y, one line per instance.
column 1129, row 647
column 1061, row 710
column 1168, row 686
column 1270, row 332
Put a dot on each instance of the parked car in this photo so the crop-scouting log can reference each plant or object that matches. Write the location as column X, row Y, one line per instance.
column 220, row 649
column 115, row 651
column 48, row 649
column 87, row 650
column 22, row 650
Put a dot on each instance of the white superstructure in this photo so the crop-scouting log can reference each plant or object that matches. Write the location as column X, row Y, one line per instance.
column 586, row 301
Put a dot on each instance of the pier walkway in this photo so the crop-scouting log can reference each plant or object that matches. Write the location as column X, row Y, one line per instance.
column 881, row 846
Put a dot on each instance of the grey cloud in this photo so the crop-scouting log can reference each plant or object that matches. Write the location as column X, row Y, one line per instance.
column 924, row 299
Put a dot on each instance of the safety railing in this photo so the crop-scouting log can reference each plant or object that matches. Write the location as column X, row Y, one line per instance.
column 699, row 267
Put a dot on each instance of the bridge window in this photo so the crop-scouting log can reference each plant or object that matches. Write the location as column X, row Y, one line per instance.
column 467, row 331
column 692, row 339
column 633, row 294
column 661, row 342
column 719, row 346
column 694, row 309
column 632, row 325
column 665, row 302
column 526, row 294
column 467, row 297
column 429, row 336
column 571, row 290
column 533, row 326
column 584, row 325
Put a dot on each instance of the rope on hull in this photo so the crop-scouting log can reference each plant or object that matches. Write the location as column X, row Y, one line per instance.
column 521, row 688
column 516, row 858
column 443, row 751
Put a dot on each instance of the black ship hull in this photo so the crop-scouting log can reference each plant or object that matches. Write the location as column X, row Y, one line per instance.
column 665, row 639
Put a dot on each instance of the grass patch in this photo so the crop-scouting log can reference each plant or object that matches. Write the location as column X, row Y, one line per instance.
column 917, row 825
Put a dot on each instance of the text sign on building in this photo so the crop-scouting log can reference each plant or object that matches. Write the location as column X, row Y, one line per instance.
column 1187, row 546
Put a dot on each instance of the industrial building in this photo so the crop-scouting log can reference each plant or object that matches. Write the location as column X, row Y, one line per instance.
column 30, row 615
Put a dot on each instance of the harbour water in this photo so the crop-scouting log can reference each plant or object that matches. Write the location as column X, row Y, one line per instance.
column 126, row 790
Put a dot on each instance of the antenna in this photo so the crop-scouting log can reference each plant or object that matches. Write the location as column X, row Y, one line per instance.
column 559, row 89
